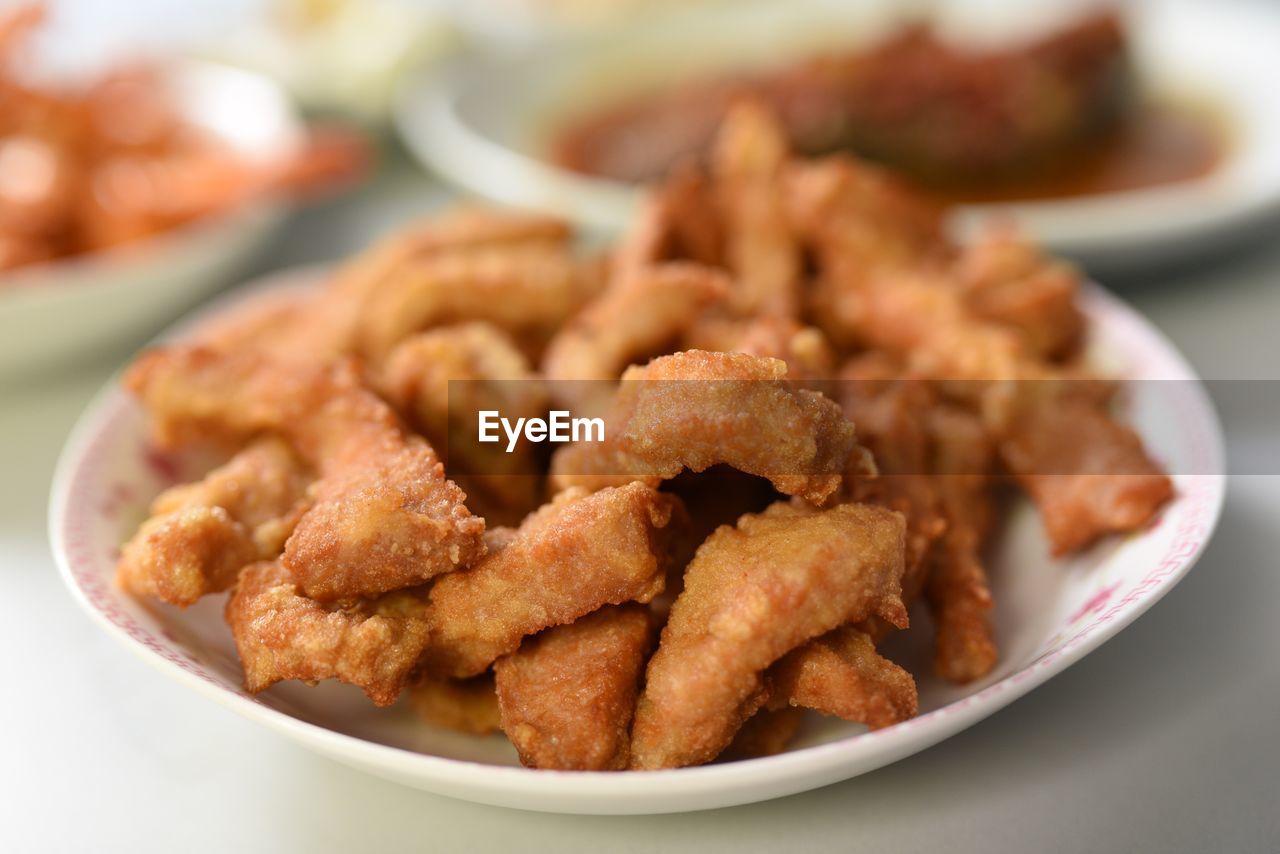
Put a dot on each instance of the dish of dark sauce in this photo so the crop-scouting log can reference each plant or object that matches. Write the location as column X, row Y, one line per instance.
column 1061, row 116
column 1161, row 143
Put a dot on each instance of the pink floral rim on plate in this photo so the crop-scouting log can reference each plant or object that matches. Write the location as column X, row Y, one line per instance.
column 1057, row 611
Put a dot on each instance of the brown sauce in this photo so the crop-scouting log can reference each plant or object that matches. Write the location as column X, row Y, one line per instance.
column 1160, row 143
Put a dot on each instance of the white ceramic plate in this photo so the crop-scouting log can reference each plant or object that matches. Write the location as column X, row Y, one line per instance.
column 57, row 311
column 1048, row 613
column 483, row 123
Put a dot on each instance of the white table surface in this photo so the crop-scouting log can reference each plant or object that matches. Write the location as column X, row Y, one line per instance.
column 1165, row 739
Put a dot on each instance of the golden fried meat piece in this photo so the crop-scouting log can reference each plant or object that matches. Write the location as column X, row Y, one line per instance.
column 697, row 409
column 892, row 418
column 857, row 221
column 383, row 516
column 381, row 524
column 201, row 534
column 718, row 496
column 462, row 228
column 317, row 325
column 766, row 733
column 957, row 590
column 195, row 395
column 647, row 240
column 180, row 556
column 462, row 705
column 842, row 675
column 677, row 220
column 337, row 319
column 1088, row 474
column 280, row 634
column 752, row 594
column 762, row 253
column 568, row 694
column 570, row 557
column 645, row 314
column 960, row 601
column 809, row 357
column 417, row 376
column 935, row 459
column 440, row 380
column 1008, row 280
column 527, row 291
column 264, row 487
column 693, row 218
column 920, row 318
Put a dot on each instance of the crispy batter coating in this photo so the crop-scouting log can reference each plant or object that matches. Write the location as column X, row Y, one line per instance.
column 180, row 556
column 464, row 705
column 809, row 356
column 281, row 634
column 935, row 459
column 856, row 220
column 1088, row 473
column 718, row 496
column 526, row 290
column 766, row 733
column 1006, row 279
column 383, row 517
column 568, row 694
column 695, row 232
column 337, row 321
column 315, row 327
column 201, row 534
column 762, row 253
column 892, row 418
column 461, row 228
column 920, row 318
column 381, row 524
column 198, row 395
column 752, row 594
column 957, row 590
column 677, row 220
column 836, row 202
column 478, row 358
column 644, row 314
column 841, row 674
column 572, row 556
column 440, row 380
column 263, row 487
column 696, row 409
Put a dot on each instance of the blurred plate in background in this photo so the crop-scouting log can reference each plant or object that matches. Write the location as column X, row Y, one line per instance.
column 53, row 312
column 485, row 122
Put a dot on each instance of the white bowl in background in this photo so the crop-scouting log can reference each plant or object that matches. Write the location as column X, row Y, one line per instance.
column 54, row 312
column 484, row 121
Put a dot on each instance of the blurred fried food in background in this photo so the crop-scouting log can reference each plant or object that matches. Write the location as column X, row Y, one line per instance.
column 113, row 161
